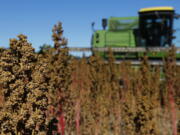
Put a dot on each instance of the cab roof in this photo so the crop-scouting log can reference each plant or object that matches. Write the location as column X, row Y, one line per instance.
column 151, row 9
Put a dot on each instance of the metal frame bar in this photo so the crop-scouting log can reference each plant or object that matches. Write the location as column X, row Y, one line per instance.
column 124, row 49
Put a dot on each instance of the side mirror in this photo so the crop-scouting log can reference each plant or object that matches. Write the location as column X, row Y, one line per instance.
column 92, row 26
column 104, row 23
column 177, row 16
column 173, row 37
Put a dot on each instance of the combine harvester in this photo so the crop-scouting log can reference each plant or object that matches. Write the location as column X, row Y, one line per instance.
column 130, row 38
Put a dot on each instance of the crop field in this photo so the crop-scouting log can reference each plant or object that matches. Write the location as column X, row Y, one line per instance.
column 51, row 92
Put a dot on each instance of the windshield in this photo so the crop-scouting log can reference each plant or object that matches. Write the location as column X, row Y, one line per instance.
column 156, row 31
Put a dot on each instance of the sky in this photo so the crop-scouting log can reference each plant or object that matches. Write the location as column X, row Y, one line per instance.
column 36, row 18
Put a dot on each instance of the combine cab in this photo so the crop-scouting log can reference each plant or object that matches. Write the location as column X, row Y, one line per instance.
column 156, row 27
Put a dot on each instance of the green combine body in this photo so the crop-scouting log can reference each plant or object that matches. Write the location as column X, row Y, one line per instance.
column 153, row 28
column 119, row 33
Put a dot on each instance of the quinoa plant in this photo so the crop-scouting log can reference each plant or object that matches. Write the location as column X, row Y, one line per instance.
column 59, row 72
column 170, row 75
column 51, row 92
column 23, row 89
